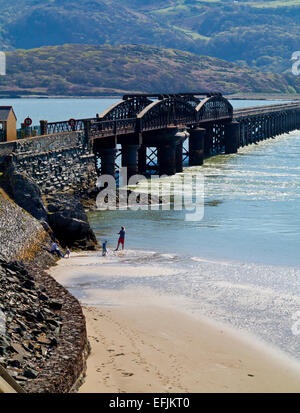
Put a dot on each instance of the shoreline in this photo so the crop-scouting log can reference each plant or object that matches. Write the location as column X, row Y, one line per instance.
column 151, row 346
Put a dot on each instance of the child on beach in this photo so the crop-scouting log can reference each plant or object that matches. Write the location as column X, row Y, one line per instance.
column 121, row 238
column 104, row 249
column 67, row 254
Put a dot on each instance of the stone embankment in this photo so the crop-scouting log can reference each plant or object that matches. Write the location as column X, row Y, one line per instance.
column 44, row 345
column 43, row 341
column 42, row 182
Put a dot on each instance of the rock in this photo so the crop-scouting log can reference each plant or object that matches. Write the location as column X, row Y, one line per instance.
column 69, row 222
column 53, row 342
column 43, row 297
column 14, row 363
column 18, row 348
column 20, row 378
column 55, row 305
column 42, row 339
column 26, row 193
column 30, row 373
column 29, row 285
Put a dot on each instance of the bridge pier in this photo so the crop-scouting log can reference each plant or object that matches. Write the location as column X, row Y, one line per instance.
column 130, row 159
column 108, row 160
column 267, row 129
column 169, row 144
column 208, row 139
column 196, row 146
column 142, row 159
column 178, row 156
column 166, row 157
column 232, row 137
column 271, row 126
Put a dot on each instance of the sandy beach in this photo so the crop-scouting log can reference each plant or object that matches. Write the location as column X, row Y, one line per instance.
column 138, row 345
column 159, row 350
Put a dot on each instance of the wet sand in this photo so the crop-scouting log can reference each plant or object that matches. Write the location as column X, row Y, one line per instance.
column 138, row 345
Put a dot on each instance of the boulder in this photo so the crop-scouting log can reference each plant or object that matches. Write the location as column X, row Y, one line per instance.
column 69, row 222
column 27, row 195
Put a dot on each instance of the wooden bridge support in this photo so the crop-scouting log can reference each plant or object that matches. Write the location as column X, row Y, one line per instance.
column 232, row 137
column 196, row 146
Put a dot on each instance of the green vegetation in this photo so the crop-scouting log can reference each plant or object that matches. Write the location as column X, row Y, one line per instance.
column 83, row 70
column 260, row 34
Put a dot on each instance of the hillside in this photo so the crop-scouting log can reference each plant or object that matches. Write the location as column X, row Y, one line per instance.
column 261, row 34
column 82, row 70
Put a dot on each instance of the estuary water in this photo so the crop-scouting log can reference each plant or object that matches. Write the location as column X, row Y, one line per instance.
column 240, row 264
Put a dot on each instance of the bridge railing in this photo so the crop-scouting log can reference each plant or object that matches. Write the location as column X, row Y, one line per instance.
column 65, row 126
column 256, row 110
column 112, row 127
column 165, row 120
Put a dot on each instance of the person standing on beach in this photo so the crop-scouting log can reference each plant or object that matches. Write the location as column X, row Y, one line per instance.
column 121, row 238
column 104, row 248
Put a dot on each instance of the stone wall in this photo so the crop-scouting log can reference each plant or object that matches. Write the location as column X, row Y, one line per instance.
column 61, row 162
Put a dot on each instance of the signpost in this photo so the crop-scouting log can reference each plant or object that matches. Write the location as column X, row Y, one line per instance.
column 72, row 122
column 28, row 122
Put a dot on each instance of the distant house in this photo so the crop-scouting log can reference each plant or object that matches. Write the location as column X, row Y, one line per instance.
column 8, row 124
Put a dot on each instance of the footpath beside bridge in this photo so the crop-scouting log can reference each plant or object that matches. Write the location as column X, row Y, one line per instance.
column 147, row 132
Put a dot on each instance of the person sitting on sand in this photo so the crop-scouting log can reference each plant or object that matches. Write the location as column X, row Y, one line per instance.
column 104, row 249
column 56, row 250
column 121, row 238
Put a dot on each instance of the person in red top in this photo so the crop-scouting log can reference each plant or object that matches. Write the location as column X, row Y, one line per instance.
column 121, row 238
